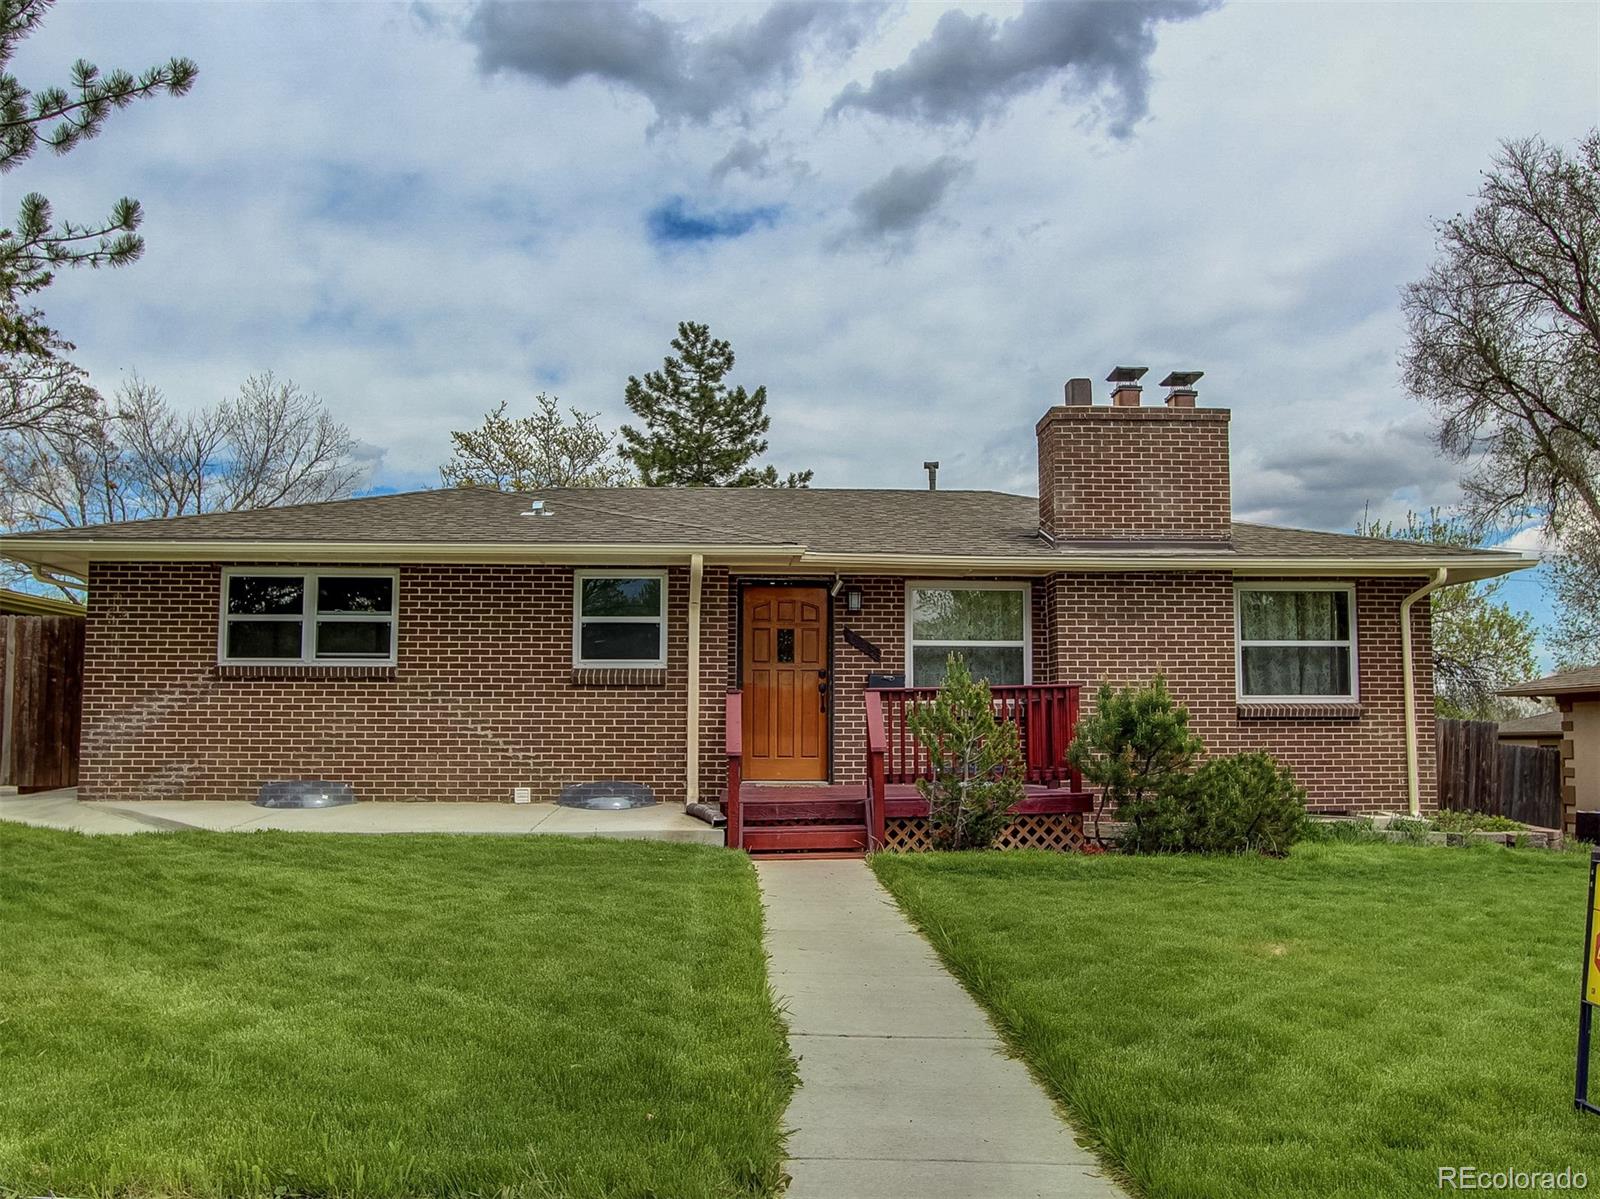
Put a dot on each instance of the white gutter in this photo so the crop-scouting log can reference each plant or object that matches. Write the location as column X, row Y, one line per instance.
column 1408, row 677
column 1239, row 564
column 70, row 555
column 41, row 575
column 697, row 567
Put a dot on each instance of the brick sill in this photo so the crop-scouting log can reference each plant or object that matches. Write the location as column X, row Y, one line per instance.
column 594, row 676
column 1299, row 711
column 303, row 671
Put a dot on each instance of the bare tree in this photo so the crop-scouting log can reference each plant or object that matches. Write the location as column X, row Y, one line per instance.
column 1574, row 571
column 526, row 453
column 271, row 444
column 1504, row 346
column 1505, row 335
column 43, row 392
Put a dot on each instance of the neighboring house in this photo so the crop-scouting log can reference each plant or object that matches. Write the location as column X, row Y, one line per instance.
column 22, row 603
column 1577, row 695
column 462, row 644
column 1542, row 730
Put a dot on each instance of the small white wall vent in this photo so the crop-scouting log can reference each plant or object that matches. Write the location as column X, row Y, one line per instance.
column 522, row 795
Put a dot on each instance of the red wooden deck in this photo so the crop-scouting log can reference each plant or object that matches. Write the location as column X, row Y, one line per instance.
column 798, row 818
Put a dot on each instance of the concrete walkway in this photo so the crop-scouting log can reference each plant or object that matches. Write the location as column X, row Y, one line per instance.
column 905, row 1090
column 62, row 809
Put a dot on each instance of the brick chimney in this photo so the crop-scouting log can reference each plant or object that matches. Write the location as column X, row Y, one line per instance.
column 1128, row 472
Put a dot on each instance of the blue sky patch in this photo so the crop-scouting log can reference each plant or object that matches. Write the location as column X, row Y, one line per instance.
column 673, row 222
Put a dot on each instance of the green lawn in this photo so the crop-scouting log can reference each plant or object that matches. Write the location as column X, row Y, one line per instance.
column 285, row 1013
column 1340, row 1023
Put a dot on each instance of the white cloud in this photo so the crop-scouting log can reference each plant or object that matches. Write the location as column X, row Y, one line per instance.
column 347, row 199
column 1533, row 541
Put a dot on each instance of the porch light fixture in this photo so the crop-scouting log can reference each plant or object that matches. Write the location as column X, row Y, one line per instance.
column 852, row 599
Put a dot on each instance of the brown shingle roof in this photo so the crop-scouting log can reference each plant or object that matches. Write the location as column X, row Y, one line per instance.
column 1566, row 682
column 824, row 520
column 1540, row 724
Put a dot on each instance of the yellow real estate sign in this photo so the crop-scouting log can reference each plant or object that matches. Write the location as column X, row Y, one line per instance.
column 1591, row 990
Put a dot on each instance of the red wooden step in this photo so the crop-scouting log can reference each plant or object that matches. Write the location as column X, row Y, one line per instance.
column 803, row 837
column 840, row 811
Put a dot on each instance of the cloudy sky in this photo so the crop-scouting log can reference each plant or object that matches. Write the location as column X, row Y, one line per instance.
column 912, row 221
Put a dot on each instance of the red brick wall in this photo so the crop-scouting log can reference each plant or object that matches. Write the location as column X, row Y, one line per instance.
column 716, row 634
column 1124, row 628
column 482, row 700
column 882, row 621
column 1134, row 473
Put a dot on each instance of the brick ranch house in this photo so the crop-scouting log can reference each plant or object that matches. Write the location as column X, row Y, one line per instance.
column 468, row 644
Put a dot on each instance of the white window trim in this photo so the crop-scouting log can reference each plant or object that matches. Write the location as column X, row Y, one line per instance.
column 914, row 585
column 1239, row 643
column 308, row 617
column 578, row 619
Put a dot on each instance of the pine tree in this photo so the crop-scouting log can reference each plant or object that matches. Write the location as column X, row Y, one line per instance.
column 697, row 431
column 61, row 118
column 976, row 760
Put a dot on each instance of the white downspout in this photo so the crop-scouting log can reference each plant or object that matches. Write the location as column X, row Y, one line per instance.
column 1408, row 676
column 697, row 567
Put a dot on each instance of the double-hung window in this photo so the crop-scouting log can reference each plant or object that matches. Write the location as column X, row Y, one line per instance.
column 620, row 618
column 272, row 616
column 1297, row 641
column 986, row 623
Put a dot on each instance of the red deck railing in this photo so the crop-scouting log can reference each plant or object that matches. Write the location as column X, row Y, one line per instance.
column 1046, row 716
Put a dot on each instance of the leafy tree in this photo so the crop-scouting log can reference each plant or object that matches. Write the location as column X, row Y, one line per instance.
column 527, row 453
column 697, row 432
column 1504, row 347
column 270, row 445
column 61, row 118
column 1136, row 746
column 1480, row 643
column 976, row 760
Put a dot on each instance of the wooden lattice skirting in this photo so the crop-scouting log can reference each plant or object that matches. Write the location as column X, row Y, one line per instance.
column 1060, row 832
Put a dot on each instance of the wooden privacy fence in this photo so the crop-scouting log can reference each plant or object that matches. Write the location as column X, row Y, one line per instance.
column 1478, row 774
column 41, row 692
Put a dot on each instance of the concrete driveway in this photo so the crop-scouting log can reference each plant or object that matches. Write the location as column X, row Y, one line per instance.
column 63, row 810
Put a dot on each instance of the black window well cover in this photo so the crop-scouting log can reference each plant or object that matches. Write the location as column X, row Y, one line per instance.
column 606, row 796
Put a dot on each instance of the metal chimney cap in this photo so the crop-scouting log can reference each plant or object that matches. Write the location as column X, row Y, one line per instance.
column 1182, row 378
column 1127, row 374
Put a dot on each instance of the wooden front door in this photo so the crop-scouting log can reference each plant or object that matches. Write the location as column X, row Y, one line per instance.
column 785, row 683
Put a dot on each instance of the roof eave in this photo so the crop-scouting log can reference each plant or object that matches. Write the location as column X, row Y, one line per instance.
column 1462, row 569
column 72, row 556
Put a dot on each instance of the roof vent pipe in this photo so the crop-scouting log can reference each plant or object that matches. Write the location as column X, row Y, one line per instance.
column 1125, row 385
column 1181, row 393
column 933, row 475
